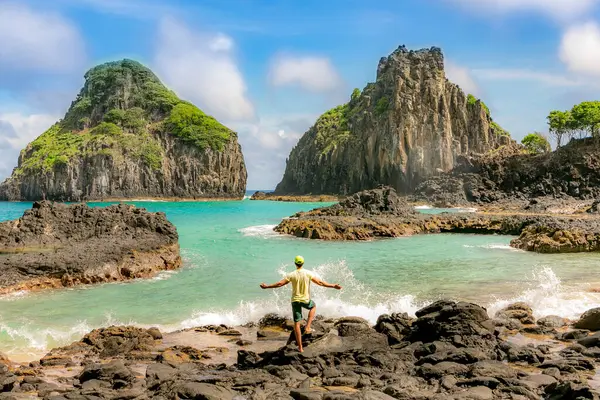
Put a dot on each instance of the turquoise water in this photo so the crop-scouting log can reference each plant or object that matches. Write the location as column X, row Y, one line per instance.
column 229, row 248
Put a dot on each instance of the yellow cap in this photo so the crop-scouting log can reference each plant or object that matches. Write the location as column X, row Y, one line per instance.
column 299, row 260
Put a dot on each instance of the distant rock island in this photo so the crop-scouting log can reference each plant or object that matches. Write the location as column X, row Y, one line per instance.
column 127, row 136
column 57, row 245
column 409, row 125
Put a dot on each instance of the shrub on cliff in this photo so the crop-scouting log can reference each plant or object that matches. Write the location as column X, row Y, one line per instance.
column 536, row 143
column 473, row 100
column 192, row 125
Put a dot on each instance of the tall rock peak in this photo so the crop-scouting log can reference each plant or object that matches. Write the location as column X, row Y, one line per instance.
column 127, row 136
column 408, row 125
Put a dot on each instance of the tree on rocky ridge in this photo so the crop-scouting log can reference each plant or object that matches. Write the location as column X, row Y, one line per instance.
column 536, row 143
column 586, row 116
column 560, row 124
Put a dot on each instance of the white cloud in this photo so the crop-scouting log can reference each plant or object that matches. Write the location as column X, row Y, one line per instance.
column 266, row 145
column 559, row 9
column 16, row 131
column 316, row 74
column 201, row 68
column 462, row 77
column 580, row 48
column 38, row 40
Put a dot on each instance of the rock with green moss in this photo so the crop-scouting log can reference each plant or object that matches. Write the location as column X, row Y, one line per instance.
column 408, row 125
column 128, row 136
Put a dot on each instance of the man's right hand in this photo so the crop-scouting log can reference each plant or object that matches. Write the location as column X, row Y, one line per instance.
column 336, row 286
column 263, row 285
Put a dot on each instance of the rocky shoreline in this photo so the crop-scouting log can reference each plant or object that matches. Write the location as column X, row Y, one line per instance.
column 294, row 198
column 57, row 245
column 451, row 350
column 382, row 213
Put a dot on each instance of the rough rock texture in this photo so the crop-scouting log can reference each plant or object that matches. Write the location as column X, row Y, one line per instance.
column 572, row 171
column 410, row 124
column 54, row 245
column 451, row 351
column 128, row 136
column 382, row 213
column 293, row 198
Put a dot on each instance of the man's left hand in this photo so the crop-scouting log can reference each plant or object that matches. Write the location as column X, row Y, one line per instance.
column 264, row 286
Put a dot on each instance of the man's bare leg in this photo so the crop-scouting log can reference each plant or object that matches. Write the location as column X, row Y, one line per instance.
column 311, row 317
column 298, row 335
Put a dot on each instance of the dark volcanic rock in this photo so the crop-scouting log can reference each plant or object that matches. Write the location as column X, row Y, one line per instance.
column 461, row 324
column 381, row 213
column 55, row 245
column 448, row 352
column 572, row 171
column 589, row 320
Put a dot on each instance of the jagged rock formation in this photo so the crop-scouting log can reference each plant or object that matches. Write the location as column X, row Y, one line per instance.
column 128, row 136
column 410, row 124
column 381, row 212
column 571, row 171
column 58, row 245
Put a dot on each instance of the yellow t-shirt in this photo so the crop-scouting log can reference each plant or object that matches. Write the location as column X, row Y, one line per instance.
column 300, row 280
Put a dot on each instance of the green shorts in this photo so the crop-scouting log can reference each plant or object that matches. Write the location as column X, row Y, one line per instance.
column 297, row 307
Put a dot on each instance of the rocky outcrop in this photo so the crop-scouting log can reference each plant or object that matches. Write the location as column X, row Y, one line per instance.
column 128, row 136
column 451, row 350
column 58, row 245
column 410, row 124
column 570, row 172
column 293, row 198
column 382, row 213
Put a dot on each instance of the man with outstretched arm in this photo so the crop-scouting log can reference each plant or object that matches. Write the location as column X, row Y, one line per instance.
column 301, row 280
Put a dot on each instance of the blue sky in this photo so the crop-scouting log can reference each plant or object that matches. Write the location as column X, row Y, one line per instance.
column 268, row 68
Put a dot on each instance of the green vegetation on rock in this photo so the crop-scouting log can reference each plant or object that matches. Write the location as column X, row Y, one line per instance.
column 192, row 125
column 498, row 130
column 382, row 105
column 50, row 149
column 332, row 128
column 118, row 113
column 536, row 143
column 472, row 100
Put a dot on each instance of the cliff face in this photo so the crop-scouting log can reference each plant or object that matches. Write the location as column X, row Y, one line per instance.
column 127, row 136
column 410, row 124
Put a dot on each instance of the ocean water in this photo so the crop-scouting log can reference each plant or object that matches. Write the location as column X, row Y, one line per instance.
column 229, row 248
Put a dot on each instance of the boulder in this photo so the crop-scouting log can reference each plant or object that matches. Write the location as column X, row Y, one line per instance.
column 395, row 326
column 521, row 312
column 462, row 324
column 552, row 321
column 589, row 320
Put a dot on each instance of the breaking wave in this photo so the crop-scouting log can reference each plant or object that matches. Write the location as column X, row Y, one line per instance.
column 263, row 231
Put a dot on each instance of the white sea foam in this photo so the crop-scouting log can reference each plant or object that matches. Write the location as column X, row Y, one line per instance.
column 14, row 295
column 544, row 292
column 492, row 246
column 263, row 231
column 161, row 276
column 246, row 197
column 33, row 340
column 464, row 209
column 423, row 207
column 331, row 303
column 547, row 296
